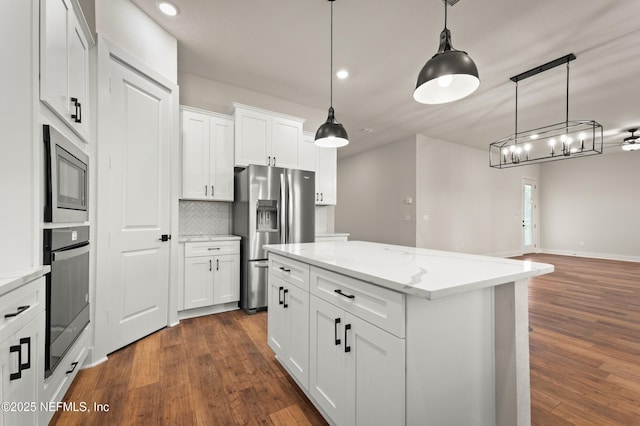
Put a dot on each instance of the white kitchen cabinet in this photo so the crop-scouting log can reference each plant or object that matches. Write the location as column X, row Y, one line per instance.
column 64, row 64
column 324, row 162
column 22, row 328
column 288, row 322
column 207, row 155
column 211, row 273
column 357, row 369
column 266, row 138
column 326, row 176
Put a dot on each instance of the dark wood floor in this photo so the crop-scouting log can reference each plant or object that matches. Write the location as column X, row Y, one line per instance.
column 218, row 370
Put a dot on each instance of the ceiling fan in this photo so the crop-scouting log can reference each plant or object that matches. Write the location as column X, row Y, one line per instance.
column 631, row 143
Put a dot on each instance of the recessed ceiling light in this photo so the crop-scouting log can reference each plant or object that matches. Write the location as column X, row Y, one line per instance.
column 342, row 74
column 168, row 8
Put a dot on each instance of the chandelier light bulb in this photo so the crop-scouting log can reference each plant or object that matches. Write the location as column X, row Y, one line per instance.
column 533, row 137
column 527, row 147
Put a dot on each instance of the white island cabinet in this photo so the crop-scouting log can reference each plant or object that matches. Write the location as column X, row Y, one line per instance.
column 402, row 335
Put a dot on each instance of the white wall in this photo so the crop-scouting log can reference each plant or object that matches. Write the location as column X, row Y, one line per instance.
column 594, row 200
column 372, row 188
column 472, row 208
column 214, row 96
column 126, row 26
column 19, row 165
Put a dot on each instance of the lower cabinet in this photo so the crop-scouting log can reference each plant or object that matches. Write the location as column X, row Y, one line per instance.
column 211, row 274
column 321, row 327
column 22, row 366
column 288, row 327
column 357, row 370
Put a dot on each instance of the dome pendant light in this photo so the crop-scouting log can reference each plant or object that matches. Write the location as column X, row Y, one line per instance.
column 331, row 134
column 449, row 75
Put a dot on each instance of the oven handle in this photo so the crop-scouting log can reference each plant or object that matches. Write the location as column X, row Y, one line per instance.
column 68, row 254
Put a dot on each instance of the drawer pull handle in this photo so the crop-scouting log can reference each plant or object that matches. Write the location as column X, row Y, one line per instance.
column 280, row 302
column 335, row 330
column 347, row 348
column 209, row 264
column 20, row 310
column 284, row 297
column 17, row 374
column 282, row 268
column 213, row 248
column 73, row 368
column 348, row 296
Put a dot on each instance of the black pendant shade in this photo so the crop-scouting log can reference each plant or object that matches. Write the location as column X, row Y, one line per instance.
column 448, row 76
column 331, row 134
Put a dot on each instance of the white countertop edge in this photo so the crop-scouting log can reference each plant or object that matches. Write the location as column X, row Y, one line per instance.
column 205, row 238
column 11, row 280
column 333, row 234
column 538, row 269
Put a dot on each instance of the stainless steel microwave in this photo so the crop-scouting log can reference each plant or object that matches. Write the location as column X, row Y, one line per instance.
column 66, row 179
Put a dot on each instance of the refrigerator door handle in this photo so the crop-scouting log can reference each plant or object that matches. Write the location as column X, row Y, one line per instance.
column 283, row 209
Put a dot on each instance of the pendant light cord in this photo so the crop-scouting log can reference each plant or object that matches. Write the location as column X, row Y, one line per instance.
column 445, row 14
column 331, row 61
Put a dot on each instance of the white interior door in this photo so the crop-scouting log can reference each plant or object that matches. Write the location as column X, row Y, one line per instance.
column 138, row 206
column 529, row 215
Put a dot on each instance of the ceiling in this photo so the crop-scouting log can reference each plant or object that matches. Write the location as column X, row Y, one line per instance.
column 281, row 48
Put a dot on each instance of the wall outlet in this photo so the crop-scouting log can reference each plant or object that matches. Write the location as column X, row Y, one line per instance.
column 425, row 217
column 407, row 217
column 408, row 200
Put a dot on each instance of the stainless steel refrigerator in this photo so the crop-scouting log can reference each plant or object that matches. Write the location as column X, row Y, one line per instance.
column 272, row 206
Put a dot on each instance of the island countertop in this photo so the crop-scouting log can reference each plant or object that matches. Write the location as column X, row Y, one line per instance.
column 426, row 273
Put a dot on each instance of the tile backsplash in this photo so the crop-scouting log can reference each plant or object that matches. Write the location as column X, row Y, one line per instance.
column 204, row 218
column 215, row 218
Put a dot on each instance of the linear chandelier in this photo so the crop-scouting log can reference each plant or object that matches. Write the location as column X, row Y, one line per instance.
column 560, row 141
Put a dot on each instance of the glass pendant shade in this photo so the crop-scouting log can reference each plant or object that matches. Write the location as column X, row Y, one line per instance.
column 448, row 76
column 331, row 134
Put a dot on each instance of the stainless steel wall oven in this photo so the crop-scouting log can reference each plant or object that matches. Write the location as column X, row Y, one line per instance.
column 66, row 179
column 67, row 251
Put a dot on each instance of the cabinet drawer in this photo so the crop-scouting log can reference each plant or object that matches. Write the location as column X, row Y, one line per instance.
column 28, row 300
column 291, row 271
column 210, row 248
column 380, row 306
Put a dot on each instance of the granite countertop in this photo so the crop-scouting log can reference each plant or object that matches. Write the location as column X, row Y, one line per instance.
column 204, row 238
column 11, row 280
column 430, row 274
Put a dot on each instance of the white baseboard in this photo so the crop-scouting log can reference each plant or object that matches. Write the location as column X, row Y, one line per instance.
column 592, row 255
column 208, row 310
column 505, row 254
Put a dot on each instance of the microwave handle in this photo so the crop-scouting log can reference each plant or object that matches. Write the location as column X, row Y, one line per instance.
column 68, row 254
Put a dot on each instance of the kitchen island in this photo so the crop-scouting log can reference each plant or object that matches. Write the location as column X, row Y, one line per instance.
column 383, row 334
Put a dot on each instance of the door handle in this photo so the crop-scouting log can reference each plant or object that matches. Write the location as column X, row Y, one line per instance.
column 274, row 161
column 348, row 296
column 217, row 264
column 165, row 237
column 284, row 297
column 210, row 264
column 322, row 196
column 335, row 330
column 268, row 160
column 78, row 113
column 347, row 348
column 206, row 188
column 26, row 341
column 213, row 192
column 280, row 302
column 17, row 374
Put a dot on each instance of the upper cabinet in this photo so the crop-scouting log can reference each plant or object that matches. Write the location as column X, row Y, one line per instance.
column 64, row 64
column 207, row 155
column 324, row 162
column 267, row 138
